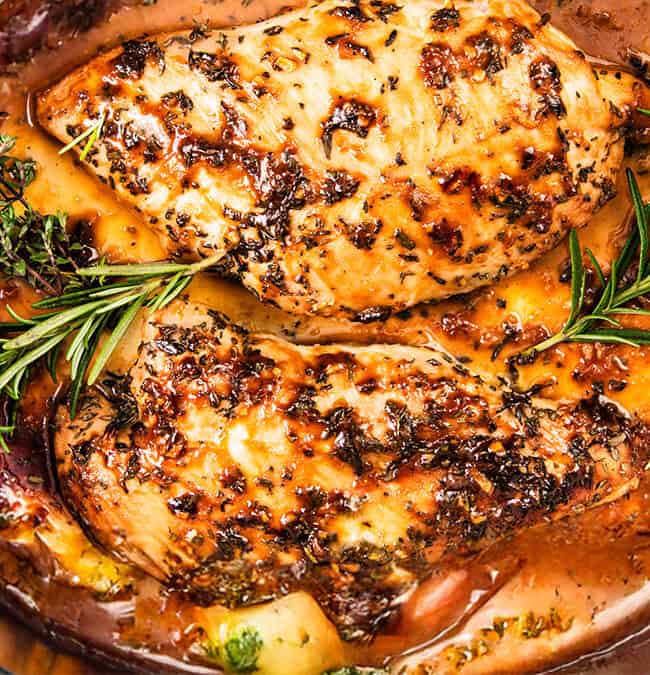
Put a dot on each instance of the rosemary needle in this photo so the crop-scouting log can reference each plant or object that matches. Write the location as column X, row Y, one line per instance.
column 92, row 133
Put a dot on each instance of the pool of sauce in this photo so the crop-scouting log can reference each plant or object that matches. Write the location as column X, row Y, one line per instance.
column 612, row 30
column 580, row 585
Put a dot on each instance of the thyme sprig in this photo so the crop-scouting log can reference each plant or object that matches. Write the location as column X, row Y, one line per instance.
column 34, row 247
column 601, row 324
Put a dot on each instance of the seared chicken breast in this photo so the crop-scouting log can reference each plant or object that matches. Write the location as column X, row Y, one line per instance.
column 240, row 467
column 358, row 157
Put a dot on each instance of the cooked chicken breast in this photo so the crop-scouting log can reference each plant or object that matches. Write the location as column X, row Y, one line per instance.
column 240, row 467
column 356, row 157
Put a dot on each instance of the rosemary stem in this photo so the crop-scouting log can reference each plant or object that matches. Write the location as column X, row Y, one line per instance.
column 205, row 263
column 554, row 340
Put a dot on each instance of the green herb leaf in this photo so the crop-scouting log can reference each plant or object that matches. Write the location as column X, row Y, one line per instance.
column 19, row 366
column 641, row 224
column 93, row 338
column 597, row 268
column 51, row 325
column 239, row 653
column 578, row 278
column 628, row 336
column 118, row 333
column 34, row 247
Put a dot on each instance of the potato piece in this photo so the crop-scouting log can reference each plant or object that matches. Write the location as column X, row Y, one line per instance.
column 291, row 632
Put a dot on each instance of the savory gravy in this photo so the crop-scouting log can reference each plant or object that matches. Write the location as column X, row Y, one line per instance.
column 612, row 30
column 538, row 600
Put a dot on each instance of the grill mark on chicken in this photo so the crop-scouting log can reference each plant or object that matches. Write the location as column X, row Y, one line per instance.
column 178, row 99
column 440, row 64
column 282, row 187
column 215, row 68
column 262, row 125
column 350, row 12
column 488, row 57
column 134, row 57
column 364, row 234
column 384, row 10
column 348, row 48
column 448, row 236
column 545, row 76
column 353, row 116
column 444, row 19
column 344, row 471
column 339, row 185
column 355, row 13
column 279, row 182
column 514, row 201
column 519, row 36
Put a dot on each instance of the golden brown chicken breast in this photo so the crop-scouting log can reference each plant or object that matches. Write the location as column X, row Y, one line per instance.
column 356, row 157
column 240, row 467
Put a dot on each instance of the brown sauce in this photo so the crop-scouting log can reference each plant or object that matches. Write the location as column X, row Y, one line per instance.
column 580, row 585
column 611, row 30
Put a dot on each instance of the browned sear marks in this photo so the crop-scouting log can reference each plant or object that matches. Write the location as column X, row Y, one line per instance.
column 285, row 144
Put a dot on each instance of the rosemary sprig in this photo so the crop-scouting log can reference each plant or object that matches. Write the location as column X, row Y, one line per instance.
column 601, row 324
column 87, row 311
column 82, row 317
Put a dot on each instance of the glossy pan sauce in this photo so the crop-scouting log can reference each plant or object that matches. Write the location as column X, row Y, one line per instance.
column 544, row 598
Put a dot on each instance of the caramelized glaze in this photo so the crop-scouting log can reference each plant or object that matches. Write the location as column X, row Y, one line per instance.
column 356, row 184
